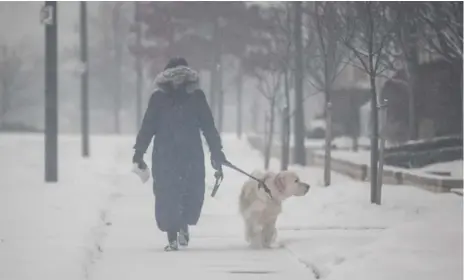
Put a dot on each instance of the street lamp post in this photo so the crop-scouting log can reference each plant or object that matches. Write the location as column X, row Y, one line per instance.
column 50, row 20
column 84, row 81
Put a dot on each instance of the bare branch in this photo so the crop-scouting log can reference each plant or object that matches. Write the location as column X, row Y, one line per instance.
column 340, row 70
column 358, row 55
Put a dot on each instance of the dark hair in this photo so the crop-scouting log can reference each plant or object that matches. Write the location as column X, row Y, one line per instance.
column 175, row 62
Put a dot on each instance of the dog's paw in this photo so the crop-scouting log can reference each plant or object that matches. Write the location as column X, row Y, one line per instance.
column 267, row 246
column 255, row 243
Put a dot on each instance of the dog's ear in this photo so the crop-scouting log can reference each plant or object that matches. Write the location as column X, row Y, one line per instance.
column 279, row 181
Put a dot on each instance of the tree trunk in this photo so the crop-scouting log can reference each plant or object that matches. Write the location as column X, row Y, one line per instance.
column 299, row 126
column 328, row 115
column 239, row 100
column 138, row 68
column 270, row 136
column 412, row 65
column 214, row 69
column 5, row 107
column 374, row 109
column 408, row 36
column 374, row 140
column 220, row 109
column 382, row 121
column 355, row 142
column 328, row 140
column 267, row 149
column 5, row 101
column 355, row 125
column 255, row 108
column 118, row 63
column 212, row 89
column 285, row 152
column 285, row 142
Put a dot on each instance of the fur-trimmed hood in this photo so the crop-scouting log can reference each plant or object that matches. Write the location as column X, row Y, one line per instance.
column 177, row 77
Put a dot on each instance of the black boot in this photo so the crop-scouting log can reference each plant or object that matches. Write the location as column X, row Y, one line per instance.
column 184, row 236
column 172, row 239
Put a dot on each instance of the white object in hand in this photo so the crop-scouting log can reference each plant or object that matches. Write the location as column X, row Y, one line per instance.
column 144, row 174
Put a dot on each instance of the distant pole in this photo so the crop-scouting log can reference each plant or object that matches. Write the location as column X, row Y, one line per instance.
column 84, row 82
column 138, row 67
column 49, row 18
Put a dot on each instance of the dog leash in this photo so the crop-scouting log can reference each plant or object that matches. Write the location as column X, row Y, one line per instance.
column 261, row 183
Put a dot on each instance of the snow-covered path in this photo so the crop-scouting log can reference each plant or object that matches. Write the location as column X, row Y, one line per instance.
column 98, row 223
column 133, row 248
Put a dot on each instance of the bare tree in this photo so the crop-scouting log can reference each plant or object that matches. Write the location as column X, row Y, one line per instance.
column 420, row 29
column 444, row 23
column 326, row 62
column 268, row 85
column 407, row 39
column 117, row 53
column 239, row 83
column 108, row 57
column 369, row 30
column 270, row 63
column 263, row 65
column 282, row 36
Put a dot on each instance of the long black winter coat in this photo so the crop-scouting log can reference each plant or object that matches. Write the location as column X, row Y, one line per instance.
column 176, row 113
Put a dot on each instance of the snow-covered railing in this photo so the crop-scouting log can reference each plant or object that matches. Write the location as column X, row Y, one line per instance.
column 359, row 168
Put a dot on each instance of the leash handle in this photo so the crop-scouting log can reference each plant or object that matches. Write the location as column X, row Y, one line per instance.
column 219, row 176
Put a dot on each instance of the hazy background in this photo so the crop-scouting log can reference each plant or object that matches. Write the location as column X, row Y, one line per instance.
column 21, row 30
column 22, row 41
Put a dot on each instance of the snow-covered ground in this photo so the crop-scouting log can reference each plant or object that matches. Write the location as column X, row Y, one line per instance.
column 342, row 143
column 453, row 167
column 46, row 230
column 359, row 157
column 98, row 223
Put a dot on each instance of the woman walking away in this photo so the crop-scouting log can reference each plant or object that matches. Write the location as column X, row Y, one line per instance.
column 176, row 113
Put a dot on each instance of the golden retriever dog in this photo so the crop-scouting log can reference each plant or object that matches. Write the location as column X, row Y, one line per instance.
column 260, row 211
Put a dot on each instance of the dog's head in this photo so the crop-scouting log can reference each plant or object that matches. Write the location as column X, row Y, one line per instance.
column 287, row 184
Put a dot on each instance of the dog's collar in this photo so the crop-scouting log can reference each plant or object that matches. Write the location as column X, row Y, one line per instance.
column 270, row 195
